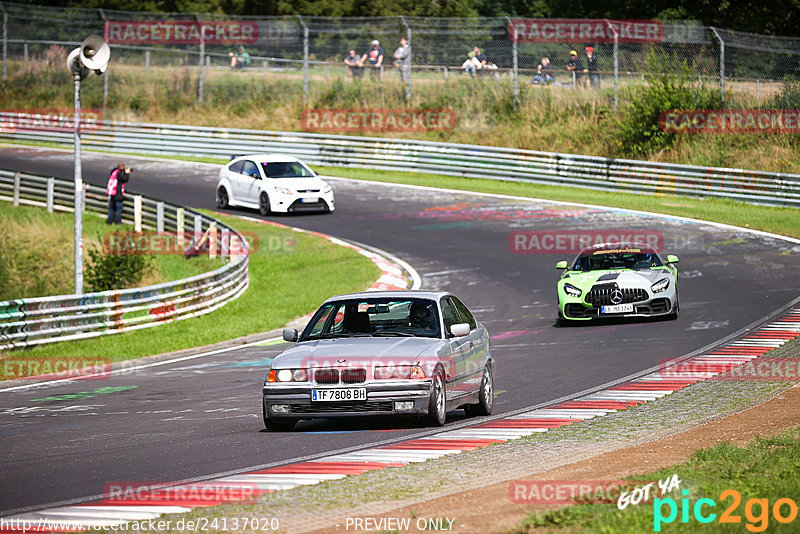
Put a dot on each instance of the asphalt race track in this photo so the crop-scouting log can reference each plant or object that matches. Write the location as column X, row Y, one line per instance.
column 203, row 416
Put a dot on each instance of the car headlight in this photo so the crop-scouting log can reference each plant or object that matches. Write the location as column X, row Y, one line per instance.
column 660, row 286
column 327, row 189
column 389, row 372
column 572, row 291
column 287, row 375
column 284, row 190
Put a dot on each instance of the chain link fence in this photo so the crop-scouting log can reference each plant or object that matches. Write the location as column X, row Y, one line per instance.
column 204, row 57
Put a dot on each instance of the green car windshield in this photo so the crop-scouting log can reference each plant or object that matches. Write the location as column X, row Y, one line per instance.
column 628, row 258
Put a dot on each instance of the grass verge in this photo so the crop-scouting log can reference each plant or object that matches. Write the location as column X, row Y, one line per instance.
column 763, row 470
column 36, row 253
column 290, row 274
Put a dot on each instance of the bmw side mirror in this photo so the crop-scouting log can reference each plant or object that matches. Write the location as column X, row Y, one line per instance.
column 255, row 176
column 460, row 329
column 562, row 264
column 290, row 334
column 671, row 258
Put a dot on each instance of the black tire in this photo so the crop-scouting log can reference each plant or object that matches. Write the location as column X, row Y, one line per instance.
column 222, row 198
column 674, row 315
column 486, row 396
column 263, row 204
column 276, row 425
column 437, row 407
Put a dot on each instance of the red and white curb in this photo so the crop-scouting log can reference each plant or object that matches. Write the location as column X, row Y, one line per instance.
column 649, row 387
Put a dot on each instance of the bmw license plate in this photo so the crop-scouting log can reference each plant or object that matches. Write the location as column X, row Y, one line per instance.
column 336, row 395
column 617, row 308
column 309, row 200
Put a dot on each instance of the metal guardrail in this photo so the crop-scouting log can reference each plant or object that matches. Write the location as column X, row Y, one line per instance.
column 472, row 161
column 35, row 321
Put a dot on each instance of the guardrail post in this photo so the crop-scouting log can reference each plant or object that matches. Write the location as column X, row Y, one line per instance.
column 179, row 222
column 574, row 80
column 224, row 243
column 51, row 183
column 147, row 61
column 212, row 241
column 137, row 213
column 160, row 217
column 198, row 227
column 445, row 73
column 15, row 201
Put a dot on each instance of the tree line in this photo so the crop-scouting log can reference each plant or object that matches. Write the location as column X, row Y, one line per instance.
column 776, row 17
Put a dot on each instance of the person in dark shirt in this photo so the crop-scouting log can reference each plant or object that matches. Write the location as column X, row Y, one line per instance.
column 373, row 58
column 592, row 68
column 575, row 66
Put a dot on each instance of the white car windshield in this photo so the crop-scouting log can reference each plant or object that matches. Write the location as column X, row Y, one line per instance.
column 286, row 169
column 375, row 317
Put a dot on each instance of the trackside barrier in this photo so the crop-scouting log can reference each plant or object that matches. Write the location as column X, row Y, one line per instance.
column 35, row 321
column 472, row 161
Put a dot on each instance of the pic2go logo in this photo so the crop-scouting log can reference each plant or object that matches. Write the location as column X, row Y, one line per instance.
column 757, row 511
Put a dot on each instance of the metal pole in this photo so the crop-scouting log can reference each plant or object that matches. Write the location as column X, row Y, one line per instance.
column 78, row 178
column 757, row 88
column 5, row 43
column 201, row 61
column 305, row 55
column 616, row 63
column 721, row 64
column 147, row 61
column 515, row 60
column 105, row 88
column 407, row 68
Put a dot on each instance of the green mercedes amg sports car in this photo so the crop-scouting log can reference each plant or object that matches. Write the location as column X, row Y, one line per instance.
column 614, row 280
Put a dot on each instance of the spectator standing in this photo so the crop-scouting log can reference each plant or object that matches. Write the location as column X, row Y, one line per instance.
column 374, row 58
column 575, row 66
column 402, row 59
column 354, row 63
column 115, row 190
column 592, row 68
column 544, row 72
column 240, row 59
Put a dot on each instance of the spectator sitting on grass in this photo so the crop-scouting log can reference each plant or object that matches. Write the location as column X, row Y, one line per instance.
column 240, row 59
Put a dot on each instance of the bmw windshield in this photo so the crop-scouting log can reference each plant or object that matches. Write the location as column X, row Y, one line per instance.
column 620, row 258
column 376, row 317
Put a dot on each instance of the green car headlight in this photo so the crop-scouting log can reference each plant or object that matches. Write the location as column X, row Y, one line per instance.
column 660, row 286
column 572, row 291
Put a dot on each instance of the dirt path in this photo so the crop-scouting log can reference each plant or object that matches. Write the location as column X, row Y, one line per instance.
column 490, row 509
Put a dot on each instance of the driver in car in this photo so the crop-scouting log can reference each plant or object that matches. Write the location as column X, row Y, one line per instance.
column 422, row 317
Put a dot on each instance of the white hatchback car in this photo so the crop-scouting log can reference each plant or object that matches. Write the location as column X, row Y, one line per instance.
column 272, row 183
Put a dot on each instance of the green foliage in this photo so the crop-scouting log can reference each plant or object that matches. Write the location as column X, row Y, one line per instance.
column 115, row 271
column 788, row 98
column 670, row 86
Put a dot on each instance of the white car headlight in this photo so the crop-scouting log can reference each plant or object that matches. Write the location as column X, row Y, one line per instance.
column 660, row 286
column 572, row 291
column 284, row 190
